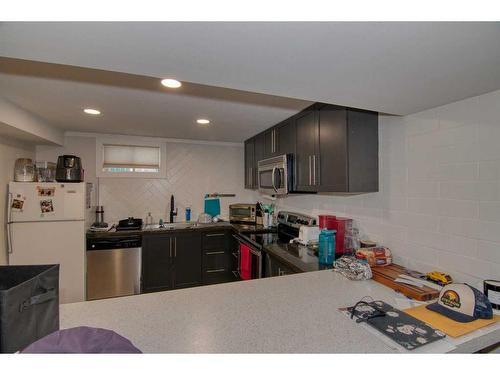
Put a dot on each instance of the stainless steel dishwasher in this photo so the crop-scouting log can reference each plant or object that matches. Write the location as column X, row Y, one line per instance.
column 113, row 266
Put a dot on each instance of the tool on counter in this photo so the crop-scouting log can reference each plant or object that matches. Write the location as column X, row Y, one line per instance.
column 388, row 274
column 439, row 278
column 400, row 327
column 219, row 195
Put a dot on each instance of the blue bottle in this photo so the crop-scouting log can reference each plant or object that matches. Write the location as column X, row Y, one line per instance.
column 326, row 252
column 188, row 213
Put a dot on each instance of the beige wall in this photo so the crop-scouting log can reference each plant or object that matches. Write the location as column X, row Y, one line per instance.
column 193, row 169
column 439, row 200
column 10, row 150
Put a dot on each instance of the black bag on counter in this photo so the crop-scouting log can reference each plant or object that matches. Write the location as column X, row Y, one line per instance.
column 29, row 305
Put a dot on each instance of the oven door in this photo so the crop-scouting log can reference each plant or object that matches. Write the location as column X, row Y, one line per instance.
column 250, row 261
column 273, row 176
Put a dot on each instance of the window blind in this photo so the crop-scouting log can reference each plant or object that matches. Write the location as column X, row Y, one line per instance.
column 128, row 156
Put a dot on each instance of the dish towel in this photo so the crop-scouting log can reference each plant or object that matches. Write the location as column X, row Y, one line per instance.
column 245, row 262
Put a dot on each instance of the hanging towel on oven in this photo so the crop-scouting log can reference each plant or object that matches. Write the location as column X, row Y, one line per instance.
column 245, row 262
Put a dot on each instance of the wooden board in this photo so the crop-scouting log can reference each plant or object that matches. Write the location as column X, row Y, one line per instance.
column 447, row 325
column 386, row 275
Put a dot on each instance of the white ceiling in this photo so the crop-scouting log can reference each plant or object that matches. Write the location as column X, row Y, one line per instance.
column 397, row 68
column 138, row 105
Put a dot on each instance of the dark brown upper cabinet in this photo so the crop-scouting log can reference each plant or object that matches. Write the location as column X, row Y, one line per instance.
column 335, row 149
column 346, row 157
column 250, row 165
column 307, row 135
column 280, row 139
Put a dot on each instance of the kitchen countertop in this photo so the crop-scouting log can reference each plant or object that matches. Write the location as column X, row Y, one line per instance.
column 288, row 314
column 206, row 227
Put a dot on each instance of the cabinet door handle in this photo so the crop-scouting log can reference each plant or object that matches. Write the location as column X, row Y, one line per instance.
column 215, row 252
column 175, row 247
column 170, row 246
column 217, row 270
column 314, row 169
column 215, row 234
column 310, row 176
column 319, row 170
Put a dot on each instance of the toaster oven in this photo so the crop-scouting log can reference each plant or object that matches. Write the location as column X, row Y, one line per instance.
column 243, row 213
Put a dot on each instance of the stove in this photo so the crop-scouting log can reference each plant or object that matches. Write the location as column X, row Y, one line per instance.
column 278, row 244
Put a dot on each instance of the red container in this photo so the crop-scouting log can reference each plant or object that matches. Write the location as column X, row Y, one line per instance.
column 327, row 221
column 343, row 226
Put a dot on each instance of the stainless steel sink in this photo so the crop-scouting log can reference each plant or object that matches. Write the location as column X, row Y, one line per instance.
column 170, row 226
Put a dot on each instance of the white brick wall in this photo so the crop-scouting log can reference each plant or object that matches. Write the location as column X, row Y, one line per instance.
column 439, row 200
column 192, row 171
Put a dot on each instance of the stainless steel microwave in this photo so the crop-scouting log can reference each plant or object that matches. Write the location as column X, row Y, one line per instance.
column 275, row 175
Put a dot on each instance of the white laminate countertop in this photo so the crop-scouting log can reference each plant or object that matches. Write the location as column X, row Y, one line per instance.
column 288, row 314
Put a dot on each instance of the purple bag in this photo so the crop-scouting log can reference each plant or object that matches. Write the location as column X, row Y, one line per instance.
column 82, row 340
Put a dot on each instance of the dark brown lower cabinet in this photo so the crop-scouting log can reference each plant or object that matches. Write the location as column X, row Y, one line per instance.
column 218, row 257
column 181, row 259
column 171, row 261
column 186, row 260
column 275, row 267
column 156, row 273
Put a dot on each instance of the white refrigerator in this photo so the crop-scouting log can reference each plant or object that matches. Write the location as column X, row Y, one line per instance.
column 46, row 225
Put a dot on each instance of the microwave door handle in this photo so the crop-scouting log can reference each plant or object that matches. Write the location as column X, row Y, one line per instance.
column 272, row 178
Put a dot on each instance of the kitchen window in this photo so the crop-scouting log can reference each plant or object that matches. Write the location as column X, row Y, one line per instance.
column 130, row 159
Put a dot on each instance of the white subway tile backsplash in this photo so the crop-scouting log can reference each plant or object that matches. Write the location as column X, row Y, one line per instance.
column 457, row 172
column 488, row 230
column 489, row 211
column 439, row 198
column 423, row 190
column 467, row 209
column 489, row 251
column 489, row 170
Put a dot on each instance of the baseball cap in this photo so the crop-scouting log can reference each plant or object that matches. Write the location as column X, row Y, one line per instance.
column 462, row 303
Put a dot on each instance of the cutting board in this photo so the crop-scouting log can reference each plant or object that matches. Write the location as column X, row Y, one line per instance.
column 387, row 274
column 447, row 325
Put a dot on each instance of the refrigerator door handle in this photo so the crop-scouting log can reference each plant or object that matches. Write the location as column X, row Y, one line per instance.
column 10, row 250
column 9, row 220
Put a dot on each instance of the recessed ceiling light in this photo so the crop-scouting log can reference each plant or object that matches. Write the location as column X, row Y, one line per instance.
column 172, row 83
column 203, row 121
column 92, row 111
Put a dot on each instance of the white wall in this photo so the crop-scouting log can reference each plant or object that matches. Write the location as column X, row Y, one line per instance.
column 439, row 199
column 10, row 150
column 193, row 169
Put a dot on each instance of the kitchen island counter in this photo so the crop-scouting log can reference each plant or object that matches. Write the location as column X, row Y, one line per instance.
column 289, row 314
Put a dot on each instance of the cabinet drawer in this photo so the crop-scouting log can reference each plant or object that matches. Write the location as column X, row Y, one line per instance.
column 215, row 260
column 214, row 240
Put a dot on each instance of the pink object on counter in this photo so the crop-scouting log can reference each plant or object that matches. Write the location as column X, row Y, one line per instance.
column 245, row 262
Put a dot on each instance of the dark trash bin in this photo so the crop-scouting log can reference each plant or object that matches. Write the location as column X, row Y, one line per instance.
column 29, row 305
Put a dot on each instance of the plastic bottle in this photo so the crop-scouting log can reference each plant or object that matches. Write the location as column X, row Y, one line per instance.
column 188, row 213
column 326, row 252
